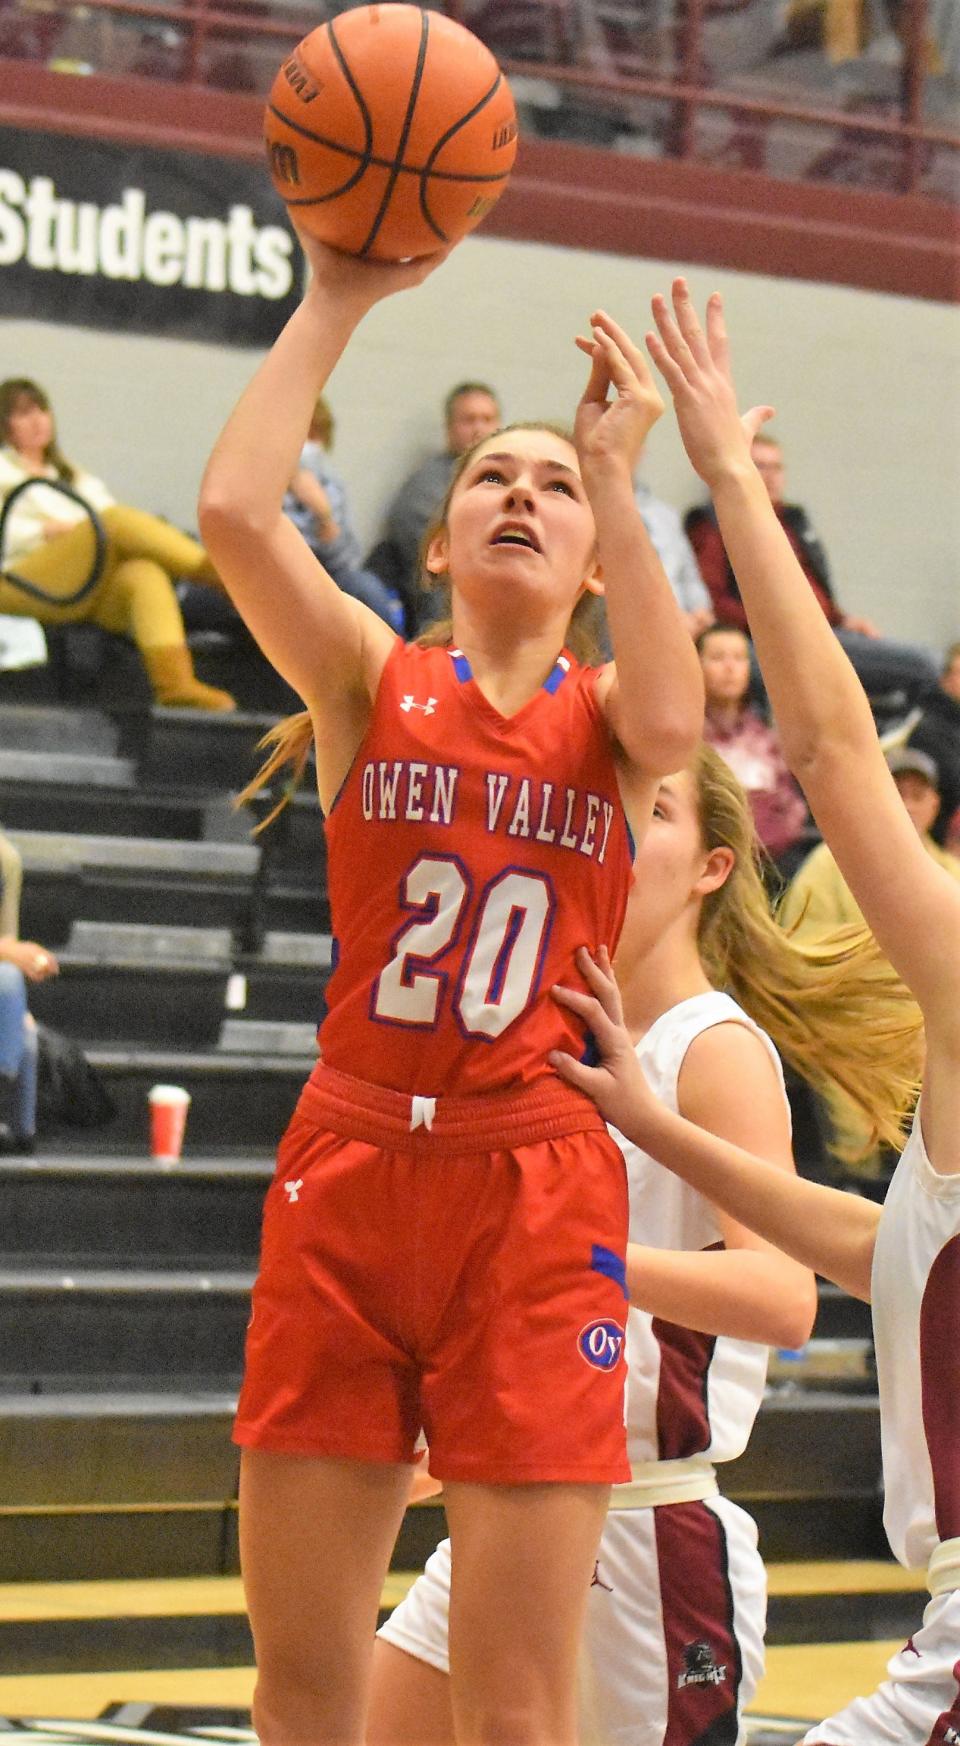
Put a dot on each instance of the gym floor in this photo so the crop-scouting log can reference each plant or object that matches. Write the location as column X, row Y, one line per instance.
column 168, row 1660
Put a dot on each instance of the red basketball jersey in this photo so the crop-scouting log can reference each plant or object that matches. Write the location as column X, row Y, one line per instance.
column 469, row 855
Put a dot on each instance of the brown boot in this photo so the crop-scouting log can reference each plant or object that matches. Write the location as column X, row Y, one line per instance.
column 175, row 684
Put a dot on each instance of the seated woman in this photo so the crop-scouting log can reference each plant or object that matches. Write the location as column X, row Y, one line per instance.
column 749, row 746
column 316, row 503
column 49, row 541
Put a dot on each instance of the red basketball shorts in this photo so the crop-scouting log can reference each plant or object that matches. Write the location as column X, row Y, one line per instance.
column 465, row 1276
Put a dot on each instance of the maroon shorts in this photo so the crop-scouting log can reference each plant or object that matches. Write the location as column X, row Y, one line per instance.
column 465, row 1277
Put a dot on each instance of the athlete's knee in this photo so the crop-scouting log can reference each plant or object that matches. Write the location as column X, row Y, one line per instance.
column 524, row 1719
column 305, row 1699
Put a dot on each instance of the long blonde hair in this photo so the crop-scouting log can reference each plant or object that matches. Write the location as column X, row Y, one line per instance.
column 289, row 742
column 834, row 1008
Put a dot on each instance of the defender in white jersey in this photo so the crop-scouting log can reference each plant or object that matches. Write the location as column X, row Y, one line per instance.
column 906, row 1260
column 673, row 1642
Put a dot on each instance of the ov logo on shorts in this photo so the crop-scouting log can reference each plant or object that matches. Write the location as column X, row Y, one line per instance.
column 601, row 1343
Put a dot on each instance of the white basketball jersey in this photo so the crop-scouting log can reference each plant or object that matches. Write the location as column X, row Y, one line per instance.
column 916, row 1319
column 687, row 1394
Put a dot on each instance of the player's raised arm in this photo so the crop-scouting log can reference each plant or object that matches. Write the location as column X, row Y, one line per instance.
column 822, row 1228
column 821, row 710
column 319, row 638
column 653, row 695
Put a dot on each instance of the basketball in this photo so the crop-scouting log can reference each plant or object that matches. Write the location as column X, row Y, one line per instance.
column 390, row 131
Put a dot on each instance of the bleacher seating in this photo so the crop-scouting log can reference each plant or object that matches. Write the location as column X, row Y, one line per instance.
column 191, row 952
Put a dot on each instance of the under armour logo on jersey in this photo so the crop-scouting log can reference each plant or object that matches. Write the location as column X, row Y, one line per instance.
column 700, row 1667
column 409, row 702
column 293, row 1190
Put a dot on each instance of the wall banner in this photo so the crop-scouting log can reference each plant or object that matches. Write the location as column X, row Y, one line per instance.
column 142, row 241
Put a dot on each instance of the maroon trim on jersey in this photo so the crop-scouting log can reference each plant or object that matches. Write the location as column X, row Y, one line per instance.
column 940, row 1384
column 947, row 1726
column 704, row 1666
column 683, row 1417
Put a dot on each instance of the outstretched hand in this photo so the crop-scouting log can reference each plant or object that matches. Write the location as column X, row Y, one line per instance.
column 361, row 279
column 617, row 1085
column 695, row 364
column 614, row 430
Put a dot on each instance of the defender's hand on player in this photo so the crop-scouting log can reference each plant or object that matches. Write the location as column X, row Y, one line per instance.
column 363, row 281
column 617, row 1086
column 614, row 430
column 695, row 365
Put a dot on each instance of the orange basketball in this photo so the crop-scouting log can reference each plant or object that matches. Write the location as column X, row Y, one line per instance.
column 390, row 131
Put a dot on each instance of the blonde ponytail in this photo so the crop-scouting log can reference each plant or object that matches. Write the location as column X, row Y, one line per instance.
column 834, row 1008
column 292, row 742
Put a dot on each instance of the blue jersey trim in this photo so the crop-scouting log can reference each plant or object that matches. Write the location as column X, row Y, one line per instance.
column 461, row 665
column 614, row 1266
column 555, row 678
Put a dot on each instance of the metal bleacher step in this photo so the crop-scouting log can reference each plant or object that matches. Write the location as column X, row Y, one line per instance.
column 121, row 1328
column 88, row 1210
column 129, row 1484
column 101, row 770
column 54, row 729
column 144, row 856
column 267, row 1037
column 237, row 1100
column 137, row 1484
column 116, row 878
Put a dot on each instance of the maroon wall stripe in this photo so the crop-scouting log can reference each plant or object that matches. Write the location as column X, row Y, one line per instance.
column 569, row 195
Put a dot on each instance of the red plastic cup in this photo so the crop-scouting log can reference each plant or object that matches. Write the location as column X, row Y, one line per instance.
column 168, row 1119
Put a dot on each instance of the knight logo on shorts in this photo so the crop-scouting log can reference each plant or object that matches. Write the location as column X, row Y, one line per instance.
column 701, row 1666
column 601, row 1344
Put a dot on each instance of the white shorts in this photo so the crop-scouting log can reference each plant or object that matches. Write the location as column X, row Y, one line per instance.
column 673, row 1639
column 918, row 1704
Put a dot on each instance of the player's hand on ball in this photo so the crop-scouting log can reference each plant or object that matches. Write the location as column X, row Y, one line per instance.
column 695, row 364
column 363, row 281
column 617, row 1086
column 614, row 429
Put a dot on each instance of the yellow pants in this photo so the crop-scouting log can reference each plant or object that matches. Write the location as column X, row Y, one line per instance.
column 134, row 595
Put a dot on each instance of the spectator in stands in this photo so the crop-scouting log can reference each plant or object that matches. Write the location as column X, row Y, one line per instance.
column 749, row 746
column 883, row 667
column 19, row 959
column 48, row 541
column 937, row 732
column 471, row 412
column 317, row 504
column 677, row 556
column 819, row 899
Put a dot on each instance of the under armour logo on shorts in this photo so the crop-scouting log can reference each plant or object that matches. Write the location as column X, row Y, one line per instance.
column 293, row 1190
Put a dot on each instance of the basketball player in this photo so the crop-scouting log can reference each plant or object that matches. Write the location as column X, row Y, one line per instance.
column 673, row 1646
column 905, row 1258
column 444, row 1241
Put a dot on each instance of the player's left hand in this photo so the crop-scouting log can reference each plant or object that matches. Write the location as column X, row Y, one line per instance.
column 695, row 364
column 615, row 430
column 617, row 1086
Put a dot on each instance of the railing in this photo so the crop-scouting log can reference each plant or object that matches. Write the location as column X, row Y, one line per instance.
column 636, row 75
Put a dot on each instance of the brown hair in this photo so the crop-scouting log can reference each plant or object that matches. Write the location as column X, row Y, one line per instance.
column 834, row 1007
column 17, row 388
column 289, row 741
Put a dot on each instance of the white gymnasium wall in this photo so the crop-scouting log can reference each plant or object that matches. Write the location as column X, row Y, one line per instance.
column 867, row 389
